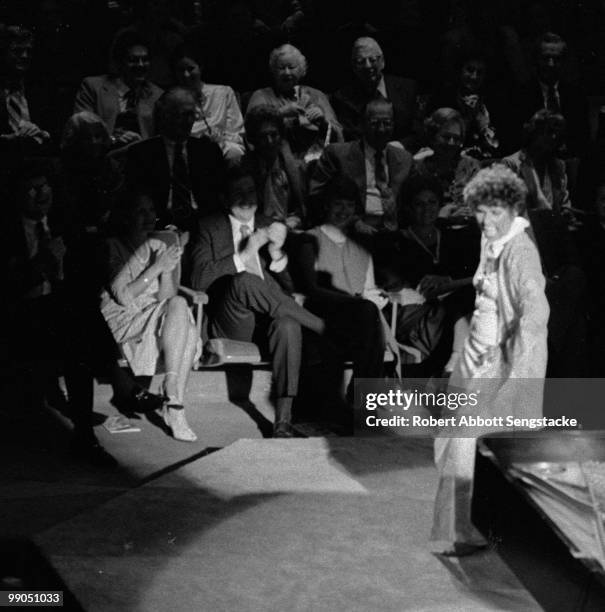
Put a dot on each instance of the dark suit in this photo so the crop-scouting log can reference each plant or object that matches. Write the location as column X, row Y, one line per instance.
column 347, row 159
column 350, row 101
column 574, row 107
column 99, row 94
column 147, row 165
column 42, row 112
column 245, row 307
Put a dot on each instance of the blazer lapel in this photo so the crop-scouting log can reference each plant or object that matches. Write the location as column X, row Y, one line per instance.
column 109, row 103
column 357, row 166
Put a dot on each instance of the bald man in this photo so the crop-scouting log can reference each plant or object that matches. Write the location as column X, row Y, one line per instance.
column 368, row 83
column 183, row 174
column 374, row 164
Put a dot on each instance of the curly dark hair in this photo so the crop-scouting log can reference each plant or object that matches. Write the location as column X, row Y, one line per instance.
column 264, row 113
column 496, row 186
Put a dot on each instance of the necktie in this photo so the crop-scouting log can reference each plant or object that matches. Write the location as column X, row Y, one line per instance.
column 181, row 188
column 252, row 265
column 380, row 171
column 552, row 100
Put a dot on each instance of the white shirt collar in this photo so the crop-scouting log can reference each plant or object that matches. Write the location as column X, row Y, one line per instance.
column 236, row 224
column 333, row 233
column 382, row 87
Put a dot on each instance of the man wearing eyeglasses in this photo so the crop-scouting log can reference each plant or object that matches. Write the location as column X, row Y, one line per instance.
column 375, row 164
column 369, row 83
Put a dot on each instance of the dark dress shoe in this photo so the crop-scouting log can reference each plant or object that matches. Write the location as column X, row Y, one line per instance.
column 87, row 449
column 141, row 401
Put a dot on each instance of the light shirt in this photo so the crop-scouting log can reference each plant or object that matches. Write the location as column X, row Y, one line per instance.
column 382, row 88
column 220, row 114
column 170, row 148
column 373, row 200
column 31, row 241
column 338, row 237
column 275, row 266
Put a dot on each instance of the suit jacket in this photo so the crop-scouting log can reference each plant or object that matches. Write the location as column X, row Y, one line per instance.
column 349, row 104
column 212, row 256
column 22, row 273
column 347, row 159
column 99, row 94
column 522, row 165
column 297, row 180
column 147, row 164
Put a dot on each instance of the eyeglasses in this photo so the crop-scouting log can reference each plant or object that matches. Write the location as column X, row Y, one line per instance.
column 372, row 60
column 381, row 123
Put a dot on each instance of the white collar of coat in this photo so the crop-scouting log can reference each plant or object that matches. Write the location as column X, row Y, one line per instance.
column 493, row 249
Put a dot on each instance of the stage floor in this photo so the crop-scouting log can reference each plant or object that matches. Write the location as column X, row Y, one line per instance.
column 259, row 525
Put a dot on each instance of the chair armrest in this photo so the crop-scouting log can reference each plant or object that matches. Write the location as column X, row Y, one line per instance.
column 197, row 297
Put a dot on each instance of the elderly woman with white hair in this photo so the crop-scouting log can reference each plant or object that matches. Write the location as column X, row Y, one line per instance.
column 503, row 361
column 309, row 119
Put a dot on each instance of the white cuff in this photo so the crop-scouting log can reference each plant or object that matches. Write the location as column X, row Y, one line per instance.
column 279, row 265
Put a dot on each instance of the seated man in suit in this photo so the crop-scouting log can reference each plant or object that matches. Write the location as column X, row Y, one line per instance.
column 19, row 134
column 369, row 82
column 377, row 166
column 47, row 325
column 125, row 98
column 549, row 90
column 184, row 174
column 248, row 299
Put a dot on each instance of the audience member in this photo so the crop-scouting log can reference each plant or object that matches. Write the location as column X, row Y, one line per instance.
column 434, row 265
column 445, row 132
column 124, row 98
column 337, row 277
column 466, row 94
column 248, row 299
column 143, row 311
column 183, row 174
column 88, row 179
column 537, row 163
column 308, row 117
column 368, row 83
column 46, row 329
column 156, row 22
column 548, row 90
column 377, row 166
column 280, row 177
column 218, row 113
column 19, row 110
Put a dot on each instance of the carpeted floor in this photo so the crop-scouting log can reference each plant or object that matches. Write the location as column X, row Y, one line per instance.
column 273, row 525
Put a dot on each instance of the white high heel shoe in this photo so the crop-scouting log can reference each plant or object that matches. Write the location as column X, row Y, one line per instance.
column 174, row 417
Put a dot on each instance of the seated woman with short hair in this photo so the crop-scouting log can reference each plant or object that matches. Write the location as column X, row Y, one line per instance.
column 143, row 311
column 337, row 276
column 218, row 113
column 442, row 159
column 307, row 113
